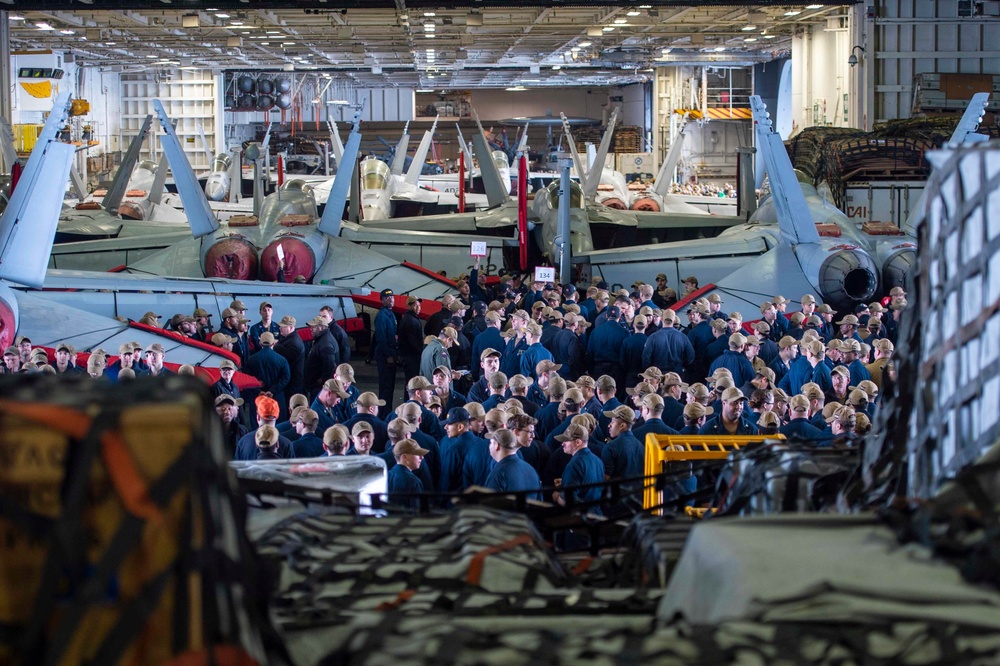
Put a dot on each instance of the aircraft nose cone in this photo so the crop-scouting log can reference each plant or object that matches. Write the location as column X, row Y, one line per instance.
column 214, row 191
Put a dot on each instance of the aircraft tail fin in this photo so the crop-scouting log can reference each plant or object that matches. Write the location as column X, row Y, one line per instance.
column 399, row 156
column 581, row 173
column 113, row 199
column 204, row 144
column 794, row 219
column 335, row 142
column 496, row 193
column 28, row 224
column 662, row 182
column 594, row 175
column 419, row 157
column 333, row 214
column 965, row 132
column 7, row 144
column 159, row 180
column 200, row 216
column 522, row 145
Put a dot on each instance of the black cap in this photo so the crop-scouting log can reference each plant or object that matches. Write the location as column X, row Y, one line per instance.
column 614, row 312
column 385, row 292
column 602, row 285
column 568, row 289
column 479, row 307
column 457, row 415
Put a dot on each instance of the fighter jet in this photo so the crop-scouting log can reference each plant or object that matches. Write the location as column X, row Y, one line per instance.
column 131, row 206
column 287, row 243
column 80, row 309
column 795, row 243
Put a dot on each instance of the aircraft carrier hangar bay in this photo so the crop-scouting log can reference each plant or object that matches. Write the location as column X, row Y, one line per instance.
column 726, row 395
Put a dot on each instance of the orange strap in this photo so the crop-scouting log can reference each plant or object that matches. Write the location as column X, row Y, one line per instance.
column 582, row 566
column 479, row 559
column 127, row 479
column 400, row 599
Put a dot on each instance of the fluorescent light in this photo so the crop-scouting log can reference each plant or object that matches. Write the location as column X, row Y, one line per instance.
column 338, row 102
column 515, row 89
column 237, row 23
column 44, row 26
column 150, row 55
column 429, row 27
column 585, row 44
column 666, row 50
column 748, row 28
column 110, row 43
column 620, row 21
column 67, row 32
column 575, row 49
column 429, row 14
column 531, row 80
column 429, row 35
column 750, row 39
column 608, row 28
column 265, row 43
column 793, row 12
column 288, row 43
column 632, row 13
column 429, row 50
column 720, row 48
column 222, row 15
column 15, row 17
column 556, row 68
column 769, row 36
column 814, row 6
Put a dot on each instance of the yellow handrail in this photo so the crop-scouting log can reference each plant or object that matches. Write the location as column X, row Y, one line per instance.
column 675, row 448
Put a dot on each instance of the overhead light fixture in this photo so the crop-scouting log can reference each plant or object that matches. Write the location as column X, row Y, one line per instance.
column 516, row 89
column 750, row 39
column 720, row 48
column 265, row 43
column 429, row 35
column 814, row 6
column 288, row 43
column 575, row 49
column 531, row 80
column 15, row 17
column 44, row 26
column 222, row 15
column 632, row 13
column 110, row 43
column 190, row 21
column 67, row 32
column 429, row 14
column 150, row 55
column 793, row 12
column 608, row 28
column 666, row 50
column 556, row 68
column 769, row 36
column 236, row 23
column 585, row 44
column 748, row 28
column 620, row 21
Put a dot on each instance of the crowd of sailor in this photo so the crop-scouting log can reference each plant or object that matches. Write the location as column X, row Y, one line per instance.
column 521, row 386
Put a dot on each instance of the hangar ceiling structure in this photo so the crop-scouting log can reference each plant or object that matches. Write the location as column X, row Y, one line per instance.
column 419, row 43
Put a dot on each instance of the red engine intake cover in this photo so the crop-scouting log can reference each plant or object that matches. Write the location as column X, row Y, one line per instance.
column 231, row 258
column 8, row 325
column 299, row 260
column 646, row 204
